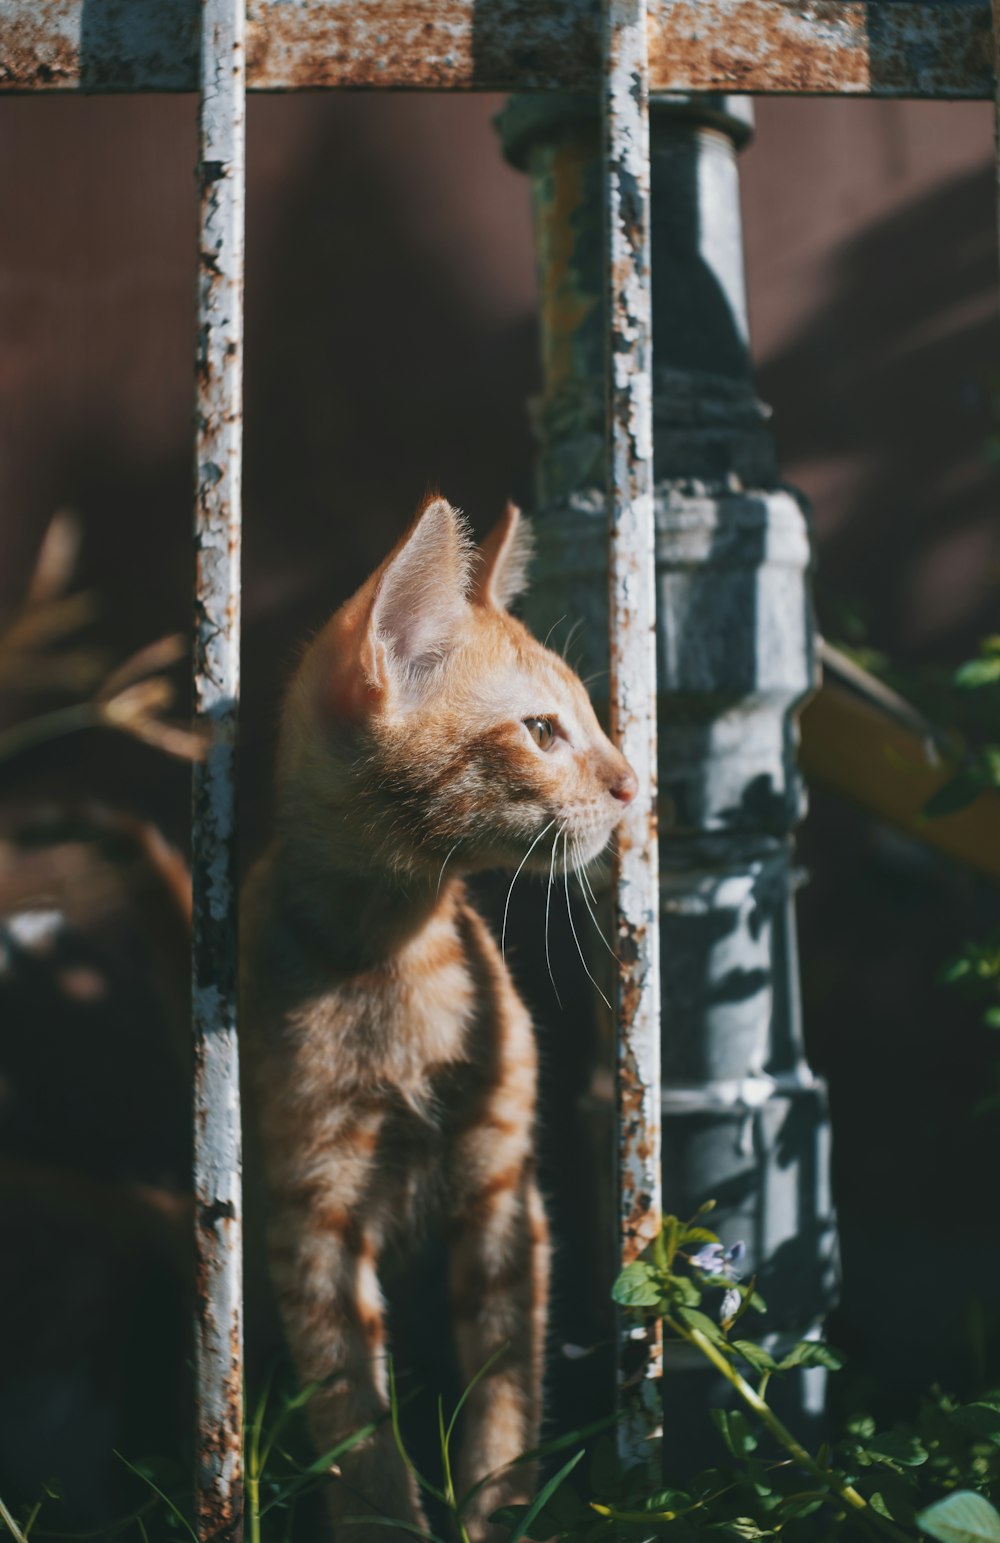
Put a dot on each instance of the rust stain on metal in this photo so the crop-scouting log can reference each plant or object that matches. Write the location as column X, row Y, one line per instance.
column 632, row 612
column 218, row 368
column 50, row 45
column 920, row 48
column 426, row 45
column 820, row 46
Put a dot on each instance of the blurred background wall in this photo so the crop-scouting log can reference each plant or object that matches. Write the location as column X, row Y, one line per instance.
column 391, row 345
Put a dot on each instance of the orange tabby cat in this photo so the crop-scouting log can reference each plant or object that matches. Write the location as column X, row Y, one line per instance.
column 392, row 1062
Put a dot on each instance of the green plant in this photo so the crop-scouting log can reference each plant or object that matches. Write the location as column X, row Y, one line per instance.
column 934, row 1476
column 979, row 767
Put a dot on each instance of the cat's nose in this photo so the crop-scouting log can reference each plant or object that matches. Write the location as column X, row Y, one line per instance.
column 624, row 785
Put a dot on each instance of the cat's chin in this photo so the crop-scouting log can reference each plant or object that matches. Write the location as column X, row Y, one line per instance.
column 586, row 848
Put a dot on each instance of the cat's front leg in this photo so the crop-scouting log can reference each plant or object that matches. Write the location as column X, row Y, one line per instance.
column 499, row 1290
column 326, row 1282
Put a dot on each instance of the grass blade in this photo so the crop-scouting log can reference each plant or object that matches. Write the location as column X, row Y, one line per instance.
column 544, row 1496
column 171, row 1506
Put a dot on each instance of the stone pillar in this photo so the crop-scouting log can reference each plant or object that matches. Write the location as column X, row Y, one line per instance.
column 745, row 1120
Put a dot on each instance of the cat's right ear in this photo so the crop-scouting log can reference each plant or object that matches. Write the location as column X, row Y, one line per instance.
column 407, row 617
column 504, row 559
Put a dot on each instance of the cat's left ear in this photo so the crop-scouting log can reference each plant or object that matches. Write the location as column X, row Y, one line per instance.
column 504, row 559
column 420, row 603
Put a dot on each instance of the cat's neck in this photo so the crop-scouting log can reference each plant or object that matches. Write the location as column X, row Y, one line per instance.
column 359, row 915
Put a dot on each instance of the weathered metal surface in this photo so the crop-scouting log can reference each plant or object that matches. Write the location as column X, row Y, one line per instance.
column 745, row 1121
column 935, row 48
column 632, row 606
column 217, row 1150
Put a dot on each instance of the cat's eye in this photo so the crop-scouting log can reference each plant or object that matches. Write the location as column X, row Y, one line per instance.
column 542, row 731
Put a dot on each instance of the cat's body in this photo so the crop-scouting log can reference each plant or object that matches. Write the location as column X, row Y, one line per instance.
column 390, row 1059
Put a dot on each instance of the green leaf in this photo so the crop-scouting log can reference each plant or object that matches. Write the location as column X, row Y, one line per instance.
column 543, row 1496
column 746, row 1527
column 978, row 672
column 981, row 1420
column 800, row 1505
column 669, row 1235
column 812, row 1352
column 638, row 1285
column 696, row 1235
column 736, row 1432
column 963, row 1517
column 683, row 1292
column 991, row 1017
column 898, row 1446
column 666, row 1500
column 861, row 1425
column 760, row 1359
column 956, row 969
column 693, row 1319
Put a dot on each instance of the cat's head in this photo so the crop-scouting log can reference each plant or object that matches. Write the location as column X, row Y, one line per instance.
column 426, row 722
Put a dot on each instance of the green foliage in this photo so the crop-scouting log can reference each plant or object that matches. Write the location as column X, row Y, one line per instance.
column 979, row 767
column 938, row 1475
column 975, row 971
column 964, row 1517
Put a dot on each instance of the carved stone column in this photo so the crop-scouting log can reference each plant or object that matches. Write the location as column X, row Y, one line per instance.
column 745, row 1118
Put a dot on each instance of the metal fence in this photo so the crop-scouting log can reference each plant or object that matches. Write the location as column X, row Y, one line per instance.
column 712, row 531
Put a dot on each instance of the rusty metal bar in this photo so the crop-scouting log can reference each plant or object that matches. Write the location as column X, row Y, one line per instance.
column 632, row 617
column 217, row 1141
column 907, row 48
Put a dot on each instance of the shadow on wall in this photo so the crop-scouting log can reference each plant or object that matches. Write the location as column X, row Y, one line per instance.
column 883, row 405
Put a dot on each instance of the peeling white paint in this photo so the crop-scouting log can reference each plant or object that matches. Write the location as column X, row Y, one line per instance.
column 633, row 688
column 217, row 1157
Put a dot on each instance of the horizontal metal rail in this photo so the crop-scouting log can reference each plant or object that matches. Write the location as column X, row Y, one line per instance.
column 906, row 48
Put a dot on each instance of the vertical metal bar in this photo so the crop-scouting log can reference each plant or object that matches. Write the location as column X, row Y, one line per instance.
column 217, row 1143
column 633, row 686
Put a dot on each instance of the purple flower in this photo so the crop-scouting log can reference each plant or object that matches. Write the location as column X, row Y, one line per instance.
column 713, row 1259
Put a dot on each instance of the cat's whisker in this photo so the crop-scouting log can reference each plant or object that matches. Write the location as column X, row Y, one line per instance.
column 585, row 876
column 548, row 903
column 597, row 675
column 444, row 865
column 555, row 624
column 584, row 887
column 572, row 923
column 524, row 859
column 571, row 634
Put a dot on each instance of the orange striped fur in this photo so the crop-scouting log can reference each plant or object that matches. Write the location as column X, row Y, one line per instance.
column 392, row 1063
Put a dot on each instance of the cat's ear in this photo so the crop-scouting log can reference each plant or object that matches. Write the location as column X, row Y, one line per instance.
column 420, row 602
column 504, row 558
